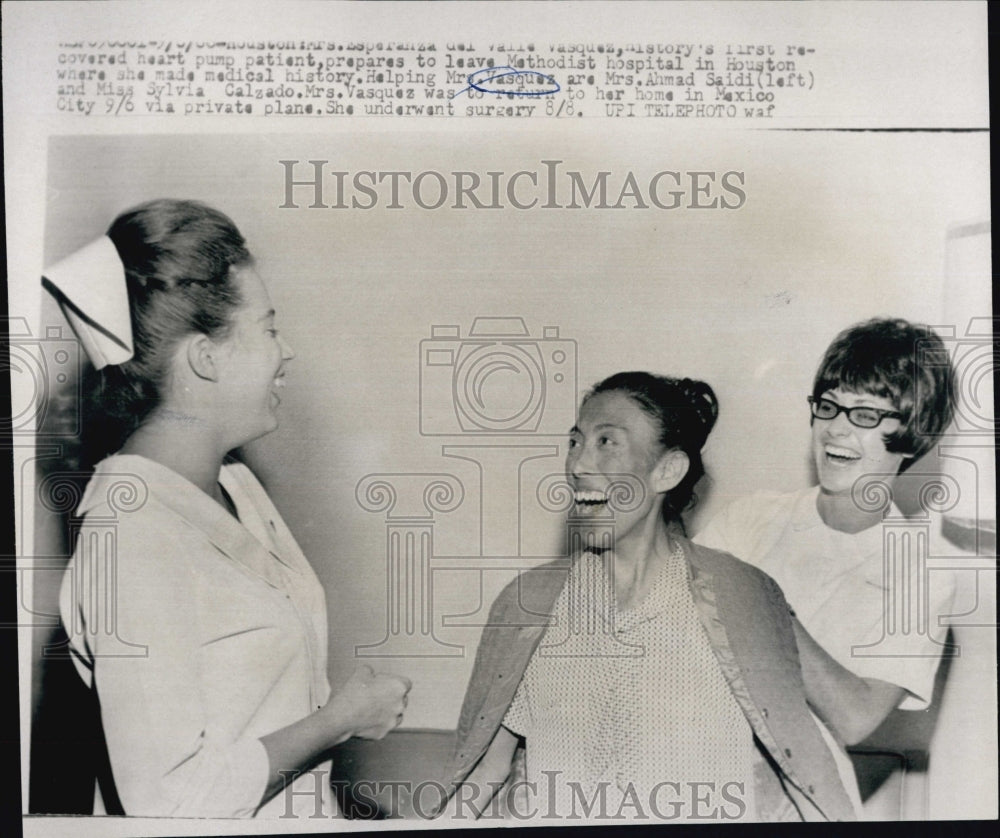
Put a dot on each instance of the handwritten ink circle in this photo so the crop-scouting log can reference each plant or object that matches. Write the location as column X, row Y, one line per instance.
column 494, row 73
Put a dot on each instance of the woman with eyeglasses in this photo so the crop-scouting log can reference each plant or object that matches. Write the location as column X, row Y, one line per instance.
column 881, row 399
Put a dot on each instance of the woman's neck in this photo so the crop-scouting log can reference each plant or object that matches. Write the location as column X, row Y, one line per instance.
column 183, row 443
column 842, row 512
column 638, row 559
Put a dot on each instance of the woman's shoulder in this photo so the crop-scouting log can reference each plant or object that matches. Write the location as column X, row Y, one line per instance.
column 120, row 484
column 139, row 504
column 764, row 504
column 749, row 525
column 742, row 580
column 715, row 560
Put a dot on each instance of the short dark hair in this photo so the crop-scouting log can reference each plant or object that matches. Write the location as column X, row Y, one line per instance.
column 906, row 363
column 684, row 411
column 178, row 258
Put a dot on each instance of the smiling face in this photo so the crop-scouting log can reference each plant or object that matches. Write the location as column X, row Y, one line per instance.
column 614, row 443
column 843, row 452
column 251, row 364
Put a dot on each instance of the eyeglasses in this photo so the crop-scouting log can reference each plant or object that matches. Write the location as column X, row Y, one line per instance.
column 861, row 417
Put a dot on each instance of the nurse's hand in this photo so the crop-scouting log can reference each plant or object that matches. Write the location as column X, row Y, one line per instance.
column 370, row 703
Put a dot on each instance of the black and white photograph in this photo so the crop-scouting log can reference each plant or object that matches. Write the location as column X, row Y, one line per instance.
column 433, row 416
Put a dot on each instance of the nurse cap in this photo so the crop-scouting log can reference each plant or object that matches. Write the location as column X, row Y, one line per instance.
column 90, row 288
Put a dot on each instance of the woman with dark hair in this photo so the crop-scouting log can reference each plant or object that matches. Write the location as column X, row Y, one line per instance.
column 646, row 677
column 189, row 607
column 882, row 397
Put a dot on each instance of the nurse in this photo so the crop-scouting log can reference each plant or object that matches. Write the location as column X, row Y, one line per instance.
column 193, row 613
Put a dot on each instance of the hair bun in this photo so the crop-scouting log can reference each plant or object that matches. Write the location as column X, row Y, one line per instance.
column 702, row 399
column 683, row 412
